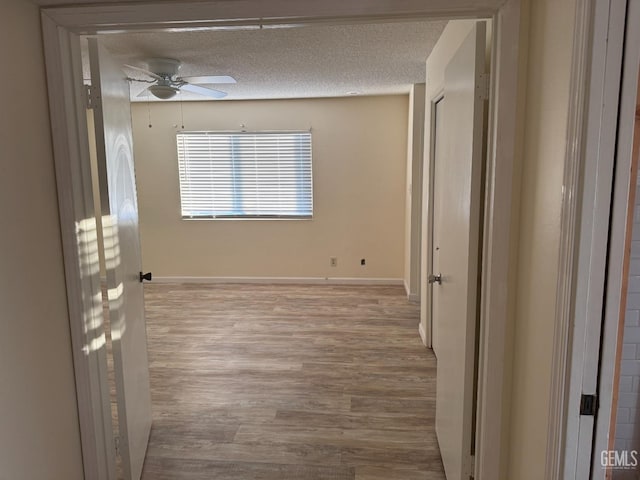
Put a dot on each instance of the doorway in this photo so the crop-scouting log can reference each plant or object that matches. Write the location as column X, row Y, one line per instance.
column 499, row 119
column 191, row 341
column 463, row 139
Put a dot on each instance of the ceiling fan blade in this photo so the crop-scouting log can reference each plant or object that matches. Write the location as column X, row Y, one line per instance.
column 144, row 93
column 208, row 92
column 210, row 79
column 146, row 72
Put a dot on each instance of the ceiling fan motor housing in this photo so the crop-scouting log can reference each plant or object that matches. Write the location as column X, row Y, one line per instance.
column 165, row 67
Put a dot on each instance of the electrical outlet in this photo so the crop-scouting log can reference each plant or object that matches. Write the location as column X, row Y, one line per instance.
column 333, row 261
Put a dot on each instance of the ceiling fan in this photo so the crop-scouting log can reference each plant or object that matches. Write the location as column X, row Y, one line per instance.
column 166, row 82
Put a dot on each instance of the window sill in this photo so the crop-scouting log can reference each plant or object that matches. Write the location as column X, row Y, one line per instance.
column 247, row 218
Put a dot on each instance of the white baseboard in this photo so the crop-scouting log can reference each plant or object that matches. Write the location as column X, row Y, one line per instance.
column 412, row 297
column 283, row 280
column 423, row 334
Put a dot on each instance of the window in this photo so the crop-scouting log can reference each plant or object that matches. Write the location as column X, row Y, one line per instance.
column 245, row 175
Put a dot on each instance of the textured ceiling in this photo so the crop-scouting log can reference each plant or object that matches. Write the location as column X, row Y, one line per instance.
column 311, row 61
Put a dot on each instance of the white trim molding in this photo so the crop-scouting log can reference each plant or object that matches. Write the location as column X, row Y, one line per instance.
column 621, row 212
column 177, row 14
column 284, row 280
column 423, row 333
column 590, row 243
column 414, row 298
column 84, row 293
column 569, row 225
column 498, row 292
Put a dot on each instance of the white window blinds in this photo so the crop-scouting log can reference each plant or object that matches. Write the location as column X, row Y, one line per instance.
column 247, row 174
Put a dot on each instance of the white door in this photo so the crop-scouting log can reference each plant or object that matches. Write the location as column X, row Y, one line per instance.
column 436, row 184
column 122, row 255
column 461, row 140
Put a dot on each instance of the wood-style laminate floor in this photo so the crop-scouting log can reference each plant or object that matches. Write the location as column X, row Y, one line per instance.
column 283, row 382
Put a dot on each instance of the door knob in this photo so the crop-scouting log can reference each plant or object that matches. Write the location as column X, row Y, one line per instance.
column 435, row 279
column 145, row 276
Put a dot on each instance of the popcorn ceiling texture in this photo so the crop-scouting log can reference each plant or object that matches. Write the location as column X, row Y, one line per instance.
column 304, row 62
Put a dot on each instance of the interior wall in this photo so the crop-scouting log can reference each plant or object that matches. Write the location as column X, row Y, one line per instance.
column 549, row 52
column 413, row 203
column 359, row 158
column 39, row 433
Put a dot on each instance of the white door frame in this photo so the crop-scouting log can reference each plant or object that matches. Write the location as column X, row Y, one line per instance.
column 428, row 206
column 415, row 158
column 62, row 27
column 592, row 235
column 618, row 231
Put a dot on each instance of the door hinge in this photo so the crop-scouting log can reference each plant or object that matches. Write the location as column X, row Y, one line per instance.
column 89, row 97
column 470, row 466
column 116, row 444
column 588, row 405
column 483, row 86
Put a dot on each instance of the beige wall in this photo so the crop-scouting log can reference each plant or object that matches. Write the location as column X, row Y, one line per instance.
column 359, row 158
column 547, row 99
column 39, row 433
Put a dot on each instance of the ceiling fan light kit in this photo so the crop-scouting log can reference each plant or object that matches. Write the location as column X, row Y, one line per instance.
column 163, row 92
column 167, row 83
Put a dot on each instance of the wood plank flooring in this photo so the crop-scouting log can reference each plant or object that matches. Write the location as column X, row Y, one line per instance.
column 284, row 382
